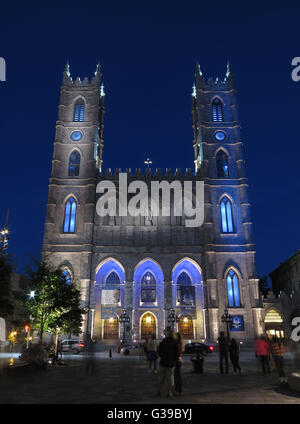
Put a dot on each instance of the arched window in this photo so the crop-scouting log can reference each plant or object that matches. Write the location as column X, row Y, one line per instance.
column 185, row 290
column 74, row 164
column 222, row 164
column 67, row 275
column 113, row 280
column 70, row 215
column 148, row 287
column 226, row 215
column 217, row 111
column 233, row 291
column 79, row 111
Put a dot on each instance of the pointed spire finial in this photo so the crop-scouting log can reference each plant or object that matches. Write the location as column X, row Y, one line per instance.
column 102, row 92
column 229, row 73
column 194, row 91
column 199, row 69
column 67, row 75
column 67, row 68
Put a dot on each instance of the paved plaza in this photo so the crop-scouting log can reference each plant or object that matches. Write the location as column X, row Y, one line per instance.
column 127, row 380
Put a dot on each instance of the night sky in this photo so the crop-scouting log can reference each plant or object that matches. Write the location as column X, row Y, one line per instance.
column 148, row 53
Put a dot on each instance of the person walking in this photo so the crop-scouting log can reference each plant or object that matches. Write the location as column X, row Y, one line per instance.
column 59, row 350
column 277, row 355
column 262, row 350
column 151, row 349
column 223, row 352
column 234, row 354
column 168, row 352
column 90, row 360
column 178, row 363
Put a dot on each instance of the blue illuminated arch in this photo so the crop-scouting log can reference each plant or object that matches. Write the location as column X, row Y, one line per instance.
column 233, row 291
column 222, row 164
column 226, row 215
column 217, row 110
column 74, row 164
column 70, row 215
column 79, row 111
column 110, row 271
column 67, row 275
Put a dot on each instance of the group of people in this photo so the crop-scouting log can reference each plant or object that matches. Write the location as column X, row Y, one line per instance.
column 265, row 350
column 233, row 350
column 170, row 352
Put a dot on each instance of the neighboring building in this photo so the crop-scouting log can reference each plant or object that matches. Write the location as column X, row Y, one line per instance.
column 147, row 264
column 274, row 320
column 286, row 286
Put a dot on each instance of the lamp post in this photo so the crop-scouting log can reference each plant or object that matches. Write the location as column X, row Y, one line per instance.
column 124, row 319
column 172, row 318
column 227, row 318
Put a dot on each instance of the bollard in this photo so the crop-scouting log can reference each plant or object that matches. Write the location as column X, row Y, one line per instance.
column 110, row 353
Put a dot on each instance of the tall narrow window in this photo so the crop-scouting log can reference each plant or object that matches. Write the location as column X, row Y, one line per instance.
column 185, row 290
column 70, row 215
column 79, row 111
column 222, row 164
column 148, row 289
column 67, row 276
column 226, row 216
column 217, row 111
column 233, row 292
column 74, row 164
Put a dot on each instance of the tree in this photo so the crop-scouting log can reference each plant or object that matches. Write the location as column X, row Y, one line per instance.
column 55, row 303
column 6, row 298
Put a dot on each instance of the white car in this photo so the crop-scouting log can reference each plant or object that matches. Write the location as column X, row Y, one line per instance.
column 72, row 346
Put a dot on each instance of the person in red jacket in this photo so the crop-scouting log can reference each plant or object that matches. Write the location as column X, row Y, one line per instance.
column 262, row 350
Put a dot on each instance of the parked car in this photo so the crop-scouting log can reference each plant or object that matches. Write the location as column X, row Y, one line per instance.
column 72, row 346
column 193, row 347
column 132, row 350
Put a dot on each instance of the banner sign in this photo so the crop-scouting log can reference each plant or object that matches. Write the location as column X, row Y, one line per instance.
column 237, row 323
column 110, row 297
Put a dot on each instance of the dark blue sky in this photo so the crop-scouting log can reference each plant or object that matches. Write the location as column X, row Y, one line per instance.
column 148, row 52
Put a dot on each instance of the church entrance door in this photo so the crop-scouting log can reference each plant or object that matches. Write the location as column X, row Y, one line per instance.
column 111, row 328
column 148, row 325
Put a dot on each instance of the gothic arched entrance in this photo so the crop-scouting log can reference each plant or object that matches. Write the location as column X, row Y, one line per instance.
column 111, row 328
column 274, row 325
column 148, row 325
column 186, row 327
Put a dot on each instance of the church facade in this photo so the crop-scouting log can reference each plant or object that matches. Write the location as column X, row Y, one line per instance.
column 155, row 269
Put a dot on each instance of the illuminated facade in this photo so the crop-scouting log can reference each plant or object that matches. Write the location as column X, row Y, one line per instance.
column 150, row 265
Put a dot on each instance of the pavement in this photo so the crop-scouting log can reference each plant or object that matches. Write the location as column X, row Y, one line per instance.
column 127, row 380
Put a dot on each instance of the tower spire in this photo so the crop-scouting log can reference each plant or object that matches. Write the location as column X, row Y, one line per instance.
column 229, row 74
column 66, row 75
column 199, row 77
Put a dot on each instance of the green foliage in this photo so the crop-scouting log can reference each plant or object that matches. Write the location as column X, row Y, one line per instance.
column 6, row 298
column 56, row 304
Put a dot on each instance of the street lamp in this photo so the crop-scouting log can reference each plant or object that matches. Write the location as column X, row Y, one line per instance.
column 227, row 318
column 124, row 319
column 172, row 318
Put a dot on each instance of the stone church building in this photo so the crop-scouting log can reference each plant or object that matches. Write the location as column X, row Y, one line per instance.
column 155, row 267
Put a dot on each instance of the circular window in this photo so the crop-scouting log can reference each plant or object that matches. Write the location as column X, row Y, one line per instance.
column 76, row 135
column 219, row 135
